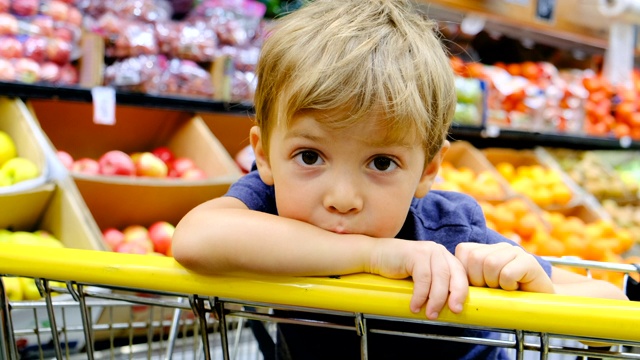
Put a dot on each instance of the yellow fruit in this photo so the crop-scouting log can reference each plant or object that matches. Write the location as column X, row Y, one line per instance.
column 7, row 147
column 13, row 288
column 29, row 289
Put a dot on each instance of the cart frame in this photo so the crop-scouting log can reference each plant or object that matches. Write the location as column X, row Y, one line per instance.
column 217, row 302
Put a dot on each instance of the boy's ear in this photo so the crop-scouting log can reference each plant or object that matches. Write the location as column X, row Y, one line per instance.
column 262, row 161
column 431, row 171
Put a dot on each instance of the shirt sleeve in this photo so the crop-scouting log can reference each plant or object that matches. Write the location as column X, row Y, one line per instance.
column 254, row 193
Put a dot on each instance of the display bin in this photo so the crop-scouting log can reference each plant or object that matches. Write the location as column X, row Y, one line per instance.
column 528, row 157
column 17, row 122
column 57, row 209
column 117, row 201
column 464, row 157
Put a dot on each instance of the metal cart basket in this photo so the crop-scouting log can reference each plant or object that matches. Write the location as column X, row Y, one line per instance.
column 121, row 306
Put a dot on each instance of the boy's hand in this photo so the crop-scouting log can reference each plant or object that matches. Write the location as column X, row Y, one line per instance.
column 437, row 274
column 503, row 266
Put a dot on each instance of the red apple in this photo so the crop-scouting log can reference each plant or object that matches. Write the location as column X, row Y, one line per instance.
column 160, row 234
column 58, row 10
column 112, row 237
column 132, row 248
column 8, row 24
column 245, row 158
column 68, row 74
column 116, row 162
column 35, row 48
column 25, row 7
column 138, row 234
column 7, row 71
column 65, row 158
column 180, row 165
column 27, row 70
column 164, row 153
column 150, row 165
column 49, row 72
column 11, row 48
column 86, row 166
column 58, row 51
column 194, row 174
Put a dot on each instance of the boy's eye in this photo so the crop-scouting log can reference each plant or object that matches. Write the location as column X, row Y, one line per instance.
column 383, row 163
column 309, row 158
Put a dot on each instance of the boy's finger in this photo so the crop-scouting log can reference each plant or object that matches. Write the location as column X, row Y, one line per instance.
column 421, row 286
column 458, row 286
column 440, row 279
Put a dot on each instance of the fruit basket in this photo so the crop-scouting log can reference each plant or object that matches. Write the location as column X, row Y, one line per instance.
column 23, row 163
column 465, row 169
column 138, row 130
column 527, row 174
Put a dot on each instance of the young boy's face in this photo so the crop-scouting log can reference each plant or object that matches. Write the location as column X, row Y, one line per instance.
column 349, row 180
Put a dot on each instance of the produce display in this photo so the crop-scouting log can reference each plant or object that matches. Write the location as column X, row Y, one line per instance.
column 481, row 185
column 21, row 288
column 40, row 41
column 14, row 168
column 138, row 239
column 544, row 186
column 158, row 163
column 470, row 105
column 593, row 174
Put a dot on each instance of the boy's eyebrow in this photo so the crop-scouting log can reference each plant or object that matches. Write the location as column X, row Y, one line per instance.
column 384, row 142
column 303, row 134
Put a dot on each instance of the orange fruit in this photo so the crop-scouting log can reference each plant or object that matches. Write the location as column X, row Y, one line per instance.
column 551, row 247
column 527, row 225
column 575, row 246
column 504, row 219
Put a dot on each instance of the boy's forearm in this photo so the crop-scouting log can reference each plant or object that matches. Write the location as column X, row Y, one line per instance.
column 235, row 240
column 595, row 288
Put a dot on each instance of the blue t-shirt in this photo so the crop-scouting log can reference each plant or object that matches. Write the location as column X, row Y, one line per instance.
column 448, row 218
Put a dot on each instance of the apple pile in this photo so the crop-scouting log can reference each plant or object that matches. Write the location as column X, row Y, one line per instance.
column 138, row 239
column 40, row 41
column 161, row 162
column 22, row 288
column 14, row 168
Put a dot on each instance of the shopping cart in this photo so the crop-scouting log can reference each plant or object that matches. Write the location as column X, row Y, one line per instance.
column 209, row 316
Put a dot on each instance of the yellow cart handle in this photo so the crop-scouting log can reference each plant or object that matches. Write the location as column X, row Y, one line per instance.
column 361, row 293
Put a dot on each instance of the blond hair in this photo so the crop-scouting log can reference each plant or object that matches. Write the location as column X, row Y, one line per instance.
column 358, row 57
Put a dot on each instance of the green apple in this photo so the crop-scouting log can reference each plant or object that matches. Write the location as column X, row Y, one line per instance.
column 29, row 289
column 5, row 235
column 12, row 288
column 29, row 238
column 7, row 147
column 19, row 169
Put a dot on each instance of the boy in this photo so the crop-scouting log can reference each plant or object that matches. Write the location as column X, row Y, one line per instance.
column 353, row 104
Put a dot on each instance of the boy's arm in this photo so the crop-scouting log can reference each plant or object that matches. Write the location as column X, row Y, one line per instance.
column 569, row 283
column 223, row 236
column 509, row 267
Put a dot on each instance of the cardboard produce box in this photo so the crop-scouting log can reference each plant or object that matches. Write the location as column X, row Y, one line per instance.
column 548, row 187
column 118, row 201
column 56, row 208
column 465, row 169
column 18, row 123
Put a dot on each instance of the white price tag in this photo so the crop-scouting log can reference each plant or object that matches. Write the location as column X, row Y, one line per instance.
column 104, row 105
column 492, row 131
column 625, row 142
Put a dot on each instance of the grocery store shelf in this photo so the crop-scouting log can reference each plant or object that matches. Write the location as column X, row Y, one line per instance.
column 574, row 27
column 521, row 139
column 75, row 93
column 478, row 136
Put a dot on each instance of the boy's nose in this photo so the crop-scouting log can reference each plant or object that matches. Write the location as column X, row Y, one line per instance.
column 343, row 196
